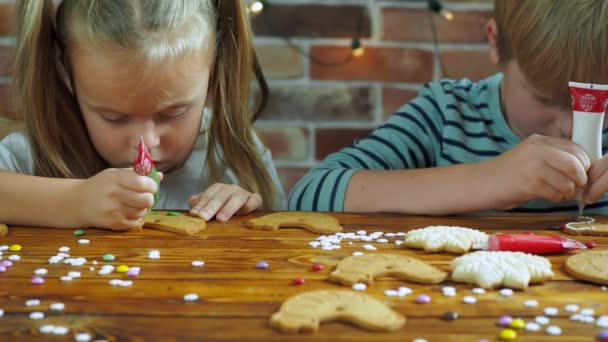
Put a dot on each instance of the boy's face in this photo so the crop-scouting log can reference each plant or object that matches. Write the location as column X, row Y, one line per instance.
column 528, row 111
column 122, row 99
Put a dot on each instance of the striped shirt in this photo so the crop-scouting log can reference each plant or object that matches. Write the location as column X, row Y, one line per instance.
column 450, row 122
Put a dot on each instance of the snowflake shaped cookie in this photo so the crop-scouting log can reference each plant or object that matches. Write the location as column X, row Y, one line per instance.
column 493, row 269
column 457, row 240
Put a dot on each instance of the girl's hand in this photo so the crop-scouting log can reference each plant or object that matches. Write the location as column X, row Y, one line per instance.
column 115, row 199
column 223, row 201
column 598, row 181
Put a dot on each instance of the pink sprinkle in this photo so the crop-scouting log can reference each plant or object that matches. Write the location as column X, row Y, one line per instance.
column 2, row 269
column 133, row 271
column 317, row 267
column 6, row 263
column 590, row 244
column 37, row 280
column 298, row 281
column 423, row 299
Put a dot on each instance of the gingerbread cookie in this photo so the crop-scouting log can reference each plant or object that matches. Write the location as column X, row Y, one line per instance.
column 174, row 222
column 305, row 311
column 589, row 266
column 315, row 222
column 493, row 269
column 364, row 268
column 458, row 240
column 3, row 230
column 586, row 226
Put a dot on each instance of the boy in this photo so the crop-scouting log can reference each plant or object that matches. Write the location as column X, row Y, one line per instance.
column 500, row 143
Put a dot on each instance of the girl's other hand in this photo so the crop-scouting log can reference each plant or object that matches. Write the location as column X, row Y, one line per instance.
column 223, row 201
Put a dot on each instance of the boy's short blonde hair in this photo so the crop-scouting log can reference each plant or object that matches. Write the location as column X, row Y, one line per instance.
column 554, row 41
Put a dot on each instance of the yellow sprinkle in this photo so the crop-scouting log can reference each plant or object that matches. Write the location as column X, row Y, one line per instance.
column 15, row 248
column 122, row 268
column 518, row 323
column 508, row 334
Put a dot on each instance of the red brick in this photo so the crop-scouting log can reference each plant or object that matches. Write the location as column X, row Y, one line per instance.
column 319, row 103
column 7, row 109
column 7, row 19
column 330, row 140
column 376, row 64
column 407, row 24
column 7, row 56
column 290, row 176
column 280, row 62
column 312, row 21
column 394, row 98
column 286, row 143
column 471, row 64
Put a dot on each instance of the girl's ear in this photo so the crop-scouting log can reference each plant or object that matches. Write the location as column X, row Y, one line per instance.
column 492, row 34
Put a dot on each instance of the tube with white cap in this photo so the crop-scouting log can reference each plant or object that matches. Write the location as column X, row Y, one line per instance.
column 588, row 105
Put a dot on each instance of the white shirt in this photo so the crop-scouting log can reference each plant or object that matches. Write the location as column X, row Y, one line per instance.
column 176, row 188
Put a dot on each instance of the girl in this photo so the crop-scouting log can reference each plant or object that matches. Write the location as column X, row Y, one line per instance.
column 92, row 77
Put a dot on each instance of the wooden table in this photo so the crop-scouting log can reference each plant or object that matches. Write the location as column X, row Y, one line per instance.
column 237, row 300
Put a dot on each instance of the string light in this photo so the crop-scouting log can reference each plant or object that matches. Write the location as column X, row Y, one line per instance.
column 257, row 6
column 356, row 47
column 437, row 7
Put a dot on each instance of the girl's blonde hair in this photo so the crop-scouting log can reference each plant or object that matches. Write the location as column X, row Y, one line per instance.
column 154, row 29
column 554, row 41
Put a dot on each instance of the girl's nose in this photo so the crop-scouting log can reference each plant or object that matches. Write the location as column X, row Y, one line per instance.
column 150, row 134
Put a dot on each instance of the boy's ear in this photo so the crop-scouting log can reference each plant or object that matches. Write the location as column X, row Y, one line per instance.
column 492, row 35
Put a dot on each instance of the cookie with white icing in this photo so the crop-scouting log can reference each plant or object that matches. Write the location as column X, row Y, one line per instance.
column 458, row 240
column 587, row 226
column 494, row 269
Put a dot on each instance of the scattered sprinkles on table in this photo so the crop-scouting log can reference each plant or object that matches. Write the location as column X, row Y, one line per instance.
column 298, row 281
column 198, row 263
column 190, row 297
column 79, row 232
column 261, row 265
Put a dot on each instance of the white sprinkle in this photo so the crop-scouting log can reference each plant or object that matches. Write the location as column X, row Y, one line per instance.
column 198, row 263
column 398, row 242
column 554, row 330
column 36, row 315
column 46, row 329
column 4, row 248
column 154, row 255
column 63, row 255
column 478, row 290
column 94, row 262
column 14, row 257
column 419, row 340
column 449, row 294
column 390, row 234
column 531, row 303
column 74, row 274
column 32, row 302
column 84, row 241
column 602, row 321
column 66, row 278
column 542, row 320
column 362, row 232
column 400, row 234
column 1, row 312
column 55, row 259
column 448, row 289
column 369, row 247
column 359, row 286
column 588, row 312
column 604, row 288
column 64, row 249
column 588, row 319
column 551, row 311
column 82, row 337
column 531, row 326
column 382, row 240
column 58, row 330
column 57, row 306
column 91, row 268
column 391, row 293
column 576, row 318
column 314, row 244
column 40, row 271
column 571, row 308
column 469, row 300
column 506, row 292
column 358, row 253
column 350, row 242
column 404, row 291
column 190, row 297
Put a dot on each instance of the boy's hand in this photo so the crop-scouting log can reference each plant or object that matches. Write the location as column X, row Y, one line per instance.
column 115, row 198
column 223, row 201
column 597, row 185
column 540, row 167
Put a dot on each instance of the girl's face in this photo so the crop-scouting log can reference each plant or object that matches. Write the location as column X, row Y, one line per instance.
column 123, row 99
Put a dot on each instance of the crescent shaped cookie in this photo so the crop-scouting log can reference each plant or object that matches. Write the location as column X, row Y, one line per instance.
column 305, row 311
column 589, row 266
column 3, row 230
column 587, row 227
column 314, row 222
column 364, row 268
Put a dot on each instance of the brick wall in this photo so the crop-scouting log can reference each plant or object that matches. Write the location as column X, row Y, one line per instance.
column 315, row 108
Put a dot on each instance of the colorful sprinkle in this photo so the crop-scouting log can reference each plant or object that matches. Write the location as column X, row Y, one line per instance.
column 517, row 323
column 423, row 299
column 6, row 263
column 508, row 334
column 122, row 268
column 108, row 257
column 261, row 265
column 602, row 335
column 590, row 244
column 133, row 271
column 298, row 281
column 450, row 316
column 14, row 248
column 79, row 232
column 2, row 269
column 504, row 321
column 317, row 267
column 37, row 280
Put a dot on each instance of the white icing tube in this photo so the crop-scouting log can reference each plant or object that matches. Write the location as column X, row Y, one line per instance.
column 588, row 106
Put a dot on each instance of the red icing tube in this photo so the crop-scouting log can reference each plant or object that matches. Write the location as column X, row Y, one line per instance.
column 533, row 244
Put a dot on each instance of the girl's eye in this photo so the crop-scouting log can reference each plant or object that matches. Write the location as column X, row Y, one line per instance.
column 172, row 116
column 114, row 118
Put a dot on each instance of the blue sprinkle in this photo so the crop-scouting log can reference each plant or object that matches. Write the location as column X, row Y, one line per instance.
column 261, row 264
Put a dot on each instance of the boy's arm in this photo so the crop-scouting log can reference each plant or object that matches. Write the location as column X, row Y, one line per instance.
column 37, row 201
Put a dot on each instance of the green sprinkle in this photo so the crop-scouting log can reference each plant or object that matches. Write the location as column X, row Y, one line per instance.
column 173, row 213
column 79, row 232
column 108, row 257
